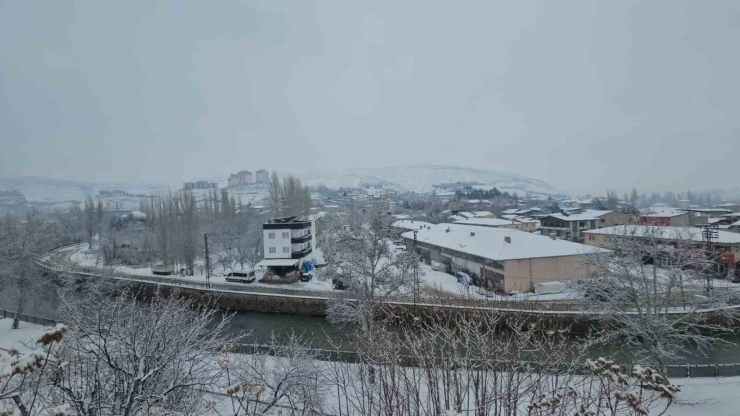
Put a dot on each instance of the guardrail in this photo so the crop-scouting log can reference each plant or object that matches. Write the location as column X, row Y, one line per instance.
column 27, row 318
column 554, row 307
column 671, row 371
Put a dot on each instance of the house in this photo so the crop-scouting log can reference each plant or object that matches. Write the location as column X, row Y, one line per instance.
column 189, row 186
column 523, row 212
column 287, row 242
column 664, row 217
column 410, row 225
column 112, row 193
column 483, row 214
column 500, row 258
column 701, row 216
column 571, row 227
column 725, row 243
column 732, row 206
column 523, row 224
column 379, row 201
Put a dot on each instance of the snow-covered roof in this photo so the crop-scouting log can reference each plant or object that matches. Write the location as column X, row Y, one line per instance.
column 726, row 211
column 510, row 211
column 411, row 224
column 402, row 216
column 668, row 233
column 486, row 222
column 490, row 243
column 585, row 216
column 480, row 214
column 138, row 215
column 661, row 213
column 467, row 214
column 732, row 214
column 277, row 262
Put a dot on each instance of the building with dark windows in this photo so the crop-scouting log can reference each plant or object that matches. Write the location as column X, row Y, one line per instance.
column 287, row 243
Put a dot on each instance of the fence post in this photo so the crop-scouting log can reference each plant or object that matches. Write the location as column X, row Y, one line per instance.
column 688, row 370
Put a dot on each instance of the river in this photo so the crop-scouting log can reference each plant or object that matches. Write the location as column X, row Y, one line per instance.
column 43, row 301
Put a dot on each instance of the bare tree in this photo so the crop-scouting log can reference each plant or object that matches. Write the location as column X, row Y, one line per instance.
column 362, row 258
column 275, row 193
column 90, row 219
column 485, row 363
column 284, row 375
column 21, row 245
column 650, row 292
column 132, row 355
column 22, row 375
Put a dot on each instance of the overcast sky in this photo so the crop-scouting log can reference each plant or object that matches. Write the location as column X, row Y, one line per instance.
column 582, row 94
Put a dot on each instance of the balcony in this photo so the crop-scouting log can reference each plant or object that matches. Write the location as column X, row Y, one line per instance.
column 301, row 254
column 302, row 239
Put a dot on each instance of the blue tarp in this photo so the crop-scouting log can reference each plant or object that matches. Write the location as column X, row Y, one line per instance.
column 308, row 267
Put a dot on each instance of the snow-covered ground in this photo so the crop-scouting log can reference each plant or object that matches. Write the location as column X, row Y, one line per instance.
column 445, row 282
column 86, row 258
column 433, row 279
column 26, row 335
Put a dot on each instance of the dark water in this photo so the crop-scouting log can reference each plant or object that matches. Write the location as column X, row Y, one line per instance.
column 43, row 301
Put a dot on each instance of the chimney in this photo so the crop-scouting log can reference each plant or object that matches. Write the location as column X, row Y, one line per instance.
column 507, row 239
column 472, row 234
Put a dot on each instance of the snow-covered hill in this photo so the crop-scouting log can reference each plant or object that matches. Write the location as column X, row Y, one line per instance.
column 422, row 178
column 49, row 190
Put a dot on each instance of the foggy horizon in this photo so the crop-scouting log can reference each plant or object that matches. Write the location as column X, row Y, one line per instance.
column 583, row 96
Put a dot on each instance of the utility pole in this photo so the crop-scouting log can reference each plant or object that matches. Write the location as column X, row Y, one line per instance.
column 208, row 262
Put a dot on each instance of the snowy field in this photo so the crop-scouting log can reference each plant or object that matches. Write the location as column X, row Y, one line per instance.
column 26, row 334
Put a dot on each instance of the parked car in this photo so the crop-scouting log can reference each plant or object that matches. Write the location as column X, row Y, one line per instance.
column 240, row 277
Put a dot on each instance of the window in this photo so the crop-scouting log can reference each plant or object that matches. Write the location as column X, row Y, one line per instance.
column 271, row 235
column 272, row 250
column 603, row 220
column 591, row 238
column 593, row 223
column 286, row 235
column 582, row 224
column 286, row 249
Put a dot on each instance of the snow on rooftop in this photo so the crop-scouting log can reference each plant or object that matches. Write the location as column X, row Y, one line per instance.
column 726, row 211
column 411, row 224
column 661, row 213
column 277, row 262
column 585, row 216
column 482, row 213
column 724, row 237
column 486, row 222
column 490, row 243
column 494, row 222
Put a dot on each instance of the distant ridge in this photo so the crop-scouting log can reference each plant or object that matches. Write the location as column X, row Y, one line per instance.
column 50, row 190
column 423, row 178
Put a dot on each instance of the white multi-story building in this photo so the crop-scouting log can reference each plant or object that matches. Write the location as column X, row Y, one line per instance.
column 287, row 242
column 261, row 176
column 241, row 178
